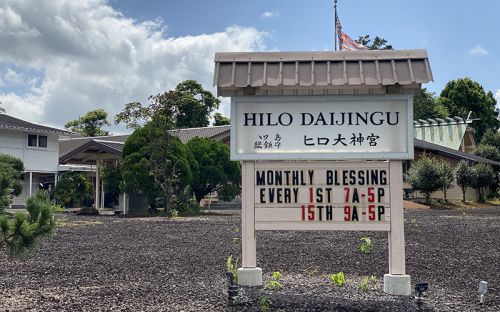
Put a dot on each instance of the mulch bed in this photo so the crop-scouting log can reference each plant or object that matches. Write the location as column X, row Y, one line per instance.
column 154, row 264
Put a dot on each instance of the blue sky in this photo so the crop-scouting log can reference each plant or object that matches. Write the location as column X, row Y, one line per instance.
column 59, row 59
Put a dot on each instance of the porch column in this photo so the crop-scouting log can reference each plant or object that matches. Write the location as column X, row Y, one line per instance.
column 55, row 180
column 97, row 187
column 31, row 184
column 102, row 197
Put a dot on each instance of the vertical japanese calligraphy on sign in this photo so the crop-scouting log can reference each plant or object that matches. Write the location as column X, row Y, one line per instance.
column 322, row 127
column 322, row 196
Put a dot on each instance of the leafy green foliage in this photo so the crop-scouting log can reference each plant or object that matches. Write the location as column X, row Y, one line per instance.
column 156, row 164
column 488, row 151
column 425, row 105
column 11, row 169
column 220, row 120
column 446, row 177
column 491, row 137
column 464, row 176
column 111, row 177
column 366, row 245
column 338, row 279
column 232, row 267
column 426, row 175
column 264, row 303
column 275, row 282
column 378, row 43
column 90, row 124
column 73, row 189
column 463, row 95
column 216, row 172
column 19, row 235
column 484, row 178
column 187, row 106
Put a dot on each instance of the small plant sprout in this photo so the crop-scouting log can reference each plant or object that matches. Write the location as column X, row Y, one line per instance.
column 367, row 281
column 366, row 245
column 338, row 279
column 264, row 304
column 232, row 267
column 364, row 284
column 274, row 282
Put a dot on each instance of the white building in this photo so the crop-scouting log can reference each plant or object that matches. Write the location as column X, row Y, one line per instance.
column 37, row 146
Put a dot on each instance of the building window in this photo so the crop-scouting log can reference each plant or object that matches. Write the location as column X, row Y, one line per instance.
column 35, row 140
column 32, row 140
column 42, row 141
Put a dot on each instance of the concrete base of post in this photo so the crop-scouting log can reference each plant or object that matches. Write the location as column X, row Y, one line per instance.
column 398, row 285
column 250, row 276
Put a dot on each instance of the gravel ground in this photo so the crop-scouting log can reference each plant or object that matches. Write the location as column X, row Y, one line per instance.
column 96, row 263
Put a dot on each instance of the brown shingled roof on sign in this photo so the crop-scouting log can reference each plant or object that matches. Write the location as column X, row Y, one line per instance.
column 320, row 70
column 9, row 122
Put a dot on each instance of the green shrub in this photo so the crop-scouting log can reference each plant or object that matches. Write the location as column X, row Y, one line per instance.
column 19, row 235
column 464, row 177
column 484, row 178
column 73, row 189
column 426, row 176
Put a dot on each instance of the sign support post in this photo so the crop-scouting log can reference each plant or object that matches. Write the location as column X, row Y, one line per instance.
column 249, row 274
column 397, row 282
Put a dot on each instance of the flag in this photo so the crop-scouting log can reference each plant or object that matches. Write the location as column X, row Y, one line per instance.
column 345, row 42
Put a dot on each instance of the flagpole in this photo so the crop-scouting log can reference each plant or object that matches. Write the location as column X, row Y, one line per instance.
column 335, row 24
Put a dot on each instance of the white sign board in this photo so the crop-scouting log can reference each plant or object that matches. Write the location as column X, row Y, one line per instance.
column 321, row 127
column 322, row 196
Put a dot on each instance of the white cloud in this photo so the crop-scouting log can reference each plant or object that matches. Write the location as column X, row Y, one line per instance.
column 91, row 56
column 497, row 97
column 12, row 77
column 269, row 14
column 478, row 50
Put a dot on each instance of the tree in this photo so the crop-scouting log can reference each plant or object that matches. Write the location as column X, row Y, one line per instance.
column 483, row 178
column 488, row 151
column 446, row 177
column 90, row 124
column 378, row 43
column 491, row 137
column 111, row 177
column 216, row 173
column 20, row 234
column 73, row 189
column 156, row 165
column 11, row 169
column 188, row 105
column 425, row 105
column 220, row 120
column 464, row 95
column 425, row 176
column 464, row 177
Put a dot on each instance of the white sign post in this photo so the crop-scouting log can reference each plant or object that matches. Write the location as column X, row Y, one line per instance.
column 284, row 143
